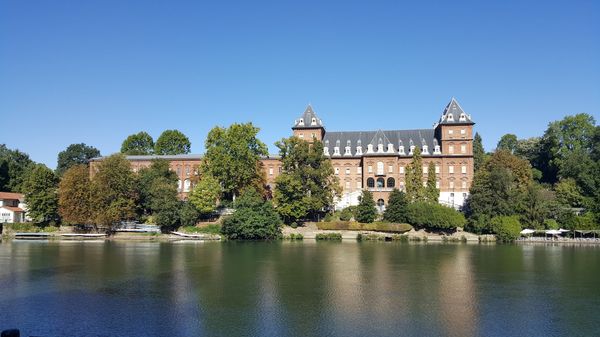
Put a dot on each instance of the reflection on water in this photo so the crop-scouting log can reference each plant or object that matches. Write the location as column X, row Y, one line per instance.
column 297, row 289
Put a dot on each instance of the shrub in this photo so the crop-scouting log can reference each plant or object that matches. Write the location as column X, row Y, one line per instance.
column 329, row 236
column 507, row 228
column 253, row 219
column 346, row 214
column 369, row 237
column 434, row 216
column 397, row 207
column 399, row 237
column 356, row 226
column 206, row 229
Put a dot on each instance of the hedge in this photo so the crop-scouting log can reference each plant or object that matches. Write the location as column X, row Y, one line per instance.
column 357, row 226
column 434, row 216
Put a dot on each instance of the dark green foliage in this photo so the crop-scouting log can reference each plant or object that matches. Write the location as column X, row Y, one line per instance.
column 347, row 213
column 188, row 214
column 162, row 196
column 535, row 206
column 366, row 211
column 172, row 142
column 434, row 216
column 140, row 143
column 478, row 152
column 357, row 226
column 75, row 154
column 157, row 173
column 415, row 191
column 508, row 143
column 253, row 219
column 506, row 228
column 396, row 210
column 432, row 193
column 14, row 166
column 41, row 194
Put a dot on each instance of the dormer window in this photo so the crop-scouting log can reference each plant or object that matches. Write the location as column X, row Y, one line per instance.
column 450, row 117
column 436, row 150
column 359, row 150
column 348, row 151
column 326, row 151
column 411, row 150
column 336, row 151
column 313, row 121
column 370, row 148
column 379, row 148
column 462, row 117
column 401, row 150
column 425, row 149
column 301, row 121
column 390, row 148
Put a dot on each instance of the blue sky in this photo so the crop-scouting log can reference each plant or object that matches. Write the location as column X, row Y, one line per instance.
column 97, row 71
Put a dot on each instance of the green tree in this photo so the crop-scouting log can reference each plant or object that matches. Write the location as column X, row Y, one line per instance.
column 506, row 228
column 140, row 143
column 432, row 193
column 568, row 193
column 14, row 167
column 478, row 152
column 113, row 190
column 422, row 214
column 396, row 211
column 146, row 177
column 188, row 214
column 415, row 191
column 253, row 219
column 508, row 143
column 205, row 195
column 366, row 211
column 528, row 149
column 233, row 157
column 74, row 196
column 536, row 205
column 172, row 142
column 75, row 154
column 164, row 203
column 307, row 186
column 41, row 195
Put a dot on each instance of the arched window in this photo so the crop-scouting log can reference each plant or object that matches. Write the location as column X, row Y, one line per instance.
column 370, row 182
column 380, row 182
column 380, row 203
column 391, row 182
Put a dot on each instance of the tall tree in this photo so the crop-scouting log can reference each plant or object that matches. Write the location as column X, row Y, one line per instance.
column 432, row 193
column 75, row 154
column 172, row 142
column 146, row 177
column 396, row 211
column 40, row 187
column 415, row 191
column 164, row 203
column 233, row 157
column 114, row 194
column 205, row 195
column 14, row 166
column 140, row 143
column 366, row 211
column 508, row 142
column 306, row 186
column 478, row 152
column 74, row 196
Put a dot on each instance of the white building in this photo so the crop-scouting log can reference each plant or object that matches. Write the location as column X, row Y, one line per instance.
column 12, row 207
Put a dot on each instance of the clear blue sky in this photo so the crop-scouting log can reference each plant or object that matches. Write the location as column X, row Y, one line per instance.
column 97, row 71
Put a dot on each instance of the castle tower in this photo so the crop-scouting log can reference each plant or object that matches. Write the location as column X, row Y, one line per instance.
column 454, row 131
column 309, row 126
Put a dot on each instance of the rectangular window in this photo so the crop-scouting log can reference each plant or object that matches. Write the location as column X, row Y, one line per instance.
column 452, row 184
column 347, row 171
column 359, row 170
column 463, row 169
column 451, row 149
column 463, row 149
column 450, row 132
column 425, row 169
column 451, row 169
column 391, row 169
column 370, row 169
column 279, row 169
column 347, row 185
column 437, row 184
column 464, row 184
column 187, row 170
column 463, row 131
column 271, row 171
column 437, row 169
column 337, row 170
column 401, row 169
column 359, row 184
column 314, row 135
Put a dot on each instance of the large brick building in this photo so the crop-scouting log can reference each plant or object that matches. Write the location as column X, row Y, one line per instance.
column 375, row 160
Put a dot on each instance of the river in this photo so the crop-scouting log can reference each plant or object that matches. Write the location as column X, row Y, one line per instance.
column 298, row 289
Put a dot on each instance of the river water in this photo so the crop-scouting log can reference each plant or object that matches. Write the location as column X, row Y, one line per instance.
column 298, row 289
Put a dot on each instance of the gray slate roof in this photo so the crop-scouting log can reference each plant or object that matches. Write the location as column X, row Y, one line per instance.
column 452, row 114
column 417, row 138
column 173, row 157
column 305, row 121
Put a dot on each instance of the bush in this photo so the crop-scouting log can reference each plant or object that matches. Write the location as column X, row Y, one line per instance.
column 294, row 236
column 366, row 211
column 206, row 229
column 397, row 207
column 370, row 237
column 356, row 226
column 346, row 214
column 507, row 228
column 27, row 227
column 401, row 238
column 434, row 216
column 329, row 236
column 253, row 219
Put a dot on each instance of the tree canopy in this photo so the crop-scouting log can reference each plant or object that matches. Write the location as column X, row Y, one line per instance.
column 140, row 143
column 415, row 191
column 253, row 219
column 306, row 186
column 366, row 211
column 41, row 195
column 205, row 195
column 396, row 210
column 507, row 143
column 478, row 152
column 74, row 195
column 233, row 158
column 75, row 154
column 14, row 166
column 172, row 142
